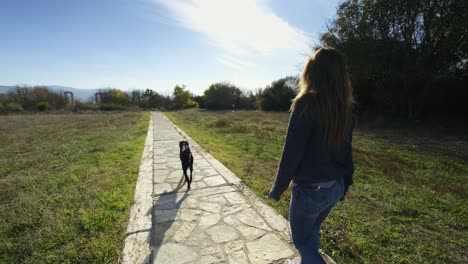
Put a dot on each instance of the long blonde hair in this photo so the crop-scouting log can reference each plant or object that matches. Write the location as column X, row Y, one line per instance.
column 325, row 88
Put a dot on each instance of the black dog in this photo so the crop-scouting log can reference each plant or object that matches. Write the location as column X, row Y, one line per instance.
column 187, row 160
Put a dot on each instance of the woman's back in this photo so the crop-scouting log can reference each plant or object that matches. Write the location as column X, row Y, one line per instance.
column 317, row 154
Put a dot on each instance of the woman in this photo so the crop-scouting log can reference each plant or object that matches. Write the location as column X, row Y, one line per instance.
column 317, row 152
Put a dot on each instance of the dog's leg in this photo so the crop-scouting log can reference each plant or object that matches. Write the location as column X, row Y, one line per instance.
column 186, row 178
column 191, row 170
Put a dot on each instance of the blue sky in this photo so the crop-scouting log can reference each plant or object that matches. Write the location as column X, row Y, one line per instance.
column 138, row 44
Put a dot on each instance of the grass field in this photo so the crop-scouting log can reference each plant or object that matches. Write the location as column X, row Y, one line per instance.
column 408, row 202
column 67, row 182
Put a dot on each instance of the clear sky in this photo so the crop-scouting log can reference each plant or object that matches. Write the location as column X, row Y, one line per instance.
column 138, row 44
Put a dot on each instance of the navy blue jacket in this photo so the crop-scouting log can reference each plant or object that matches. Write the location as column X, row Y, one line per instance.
column 306, row 159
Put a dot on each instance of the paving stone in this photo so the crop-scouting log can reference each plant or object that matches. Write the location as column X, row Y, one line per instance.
column 159, row 161
column 223, row 233
column 176, row 174
column 214, row 180
column 210, row 207
column 268, row 249
column 231, row 220
column 180, row 180
column 165, row 206
column 200, row 239
column 203, row 164
column 184, row 231
column 159, row 151
column 173, row 253
column 189, row 215
column 188, row 203
column 201, row 185
column 161, row 172
column 237, row 257
column 174, row 161
column 164, row 231
column 250, row 218
column 174, row 165
column 297, row 260
column 165, row 215
column 249, row 232
column 209, row 220
column 211, row 259
column 210, row 172
column 234, row 209
column 235, row 198
column 211, row 191
column 233, row 246
column 218, row 199
column 159, row 179
column 161, row 188
column 211, row 251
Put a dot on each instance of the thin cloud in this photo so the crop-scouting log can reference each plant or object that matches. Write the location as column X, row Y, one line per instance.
column 235, row 63
column 241, row 27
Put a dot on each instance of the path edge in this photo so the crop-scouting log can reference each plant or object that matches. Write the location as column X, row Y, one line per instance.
column 137, row 243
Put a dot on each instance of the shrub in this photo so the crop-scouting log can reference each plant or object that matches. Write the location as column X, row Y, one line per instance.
column 111, row 107
column 86, row 106
column 10, row 107
column 200, row 100
column 222, row 96
column 183, row 98
column 278, row 95
column 113, row 97
column 43, row 106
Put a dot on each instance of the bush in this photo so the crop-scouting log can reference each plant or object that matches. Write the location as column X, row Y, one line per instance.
column 86, row 106
column 278, row 95
column 10, row 107
column 111, row 107
column 183, row 98
column 248, row 101
column 222, row 96
column 200, row 100
column 43, row 106
column 113, row 97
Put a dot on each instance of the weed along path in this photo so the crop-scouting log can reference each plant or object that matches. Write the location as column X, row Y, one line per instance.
column 219, row 221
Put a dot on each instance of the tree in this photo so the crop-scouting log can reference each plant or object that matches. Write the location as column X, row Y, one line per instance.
column 114, row 96
column 30, row 98
column 152, row 100
column 399, row 49
column 183, row 98
column 278, row 95
column 222, row 95
column 200, row 100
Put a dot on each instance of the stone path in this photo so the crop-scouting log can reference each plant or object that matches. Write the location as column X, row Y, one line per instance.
column 219, row 221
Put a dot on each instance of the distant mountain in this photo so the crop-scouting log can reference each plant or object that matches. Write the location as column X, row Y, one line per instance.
column 80, row 94
column 5, row 89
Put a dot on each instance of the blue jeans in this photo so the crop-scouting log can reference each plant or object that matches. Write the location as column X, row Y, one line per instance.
column 309, row 207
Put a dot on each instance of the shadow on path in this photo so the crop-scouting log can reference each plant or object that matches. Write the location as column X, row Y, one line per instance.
column 164, row 214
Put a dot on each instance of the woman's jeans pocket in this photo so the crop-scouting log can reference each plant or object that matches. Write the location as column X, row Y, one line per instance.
column 308, row 209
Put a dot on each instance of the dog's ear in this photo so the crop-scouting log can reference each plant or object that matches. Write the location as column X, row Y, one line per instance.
column 180, row 143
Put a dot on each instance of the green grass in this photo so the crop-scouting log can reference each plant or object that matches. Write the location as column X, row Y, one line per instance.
column 408, row 202
column 67, row 184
